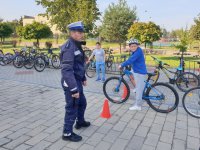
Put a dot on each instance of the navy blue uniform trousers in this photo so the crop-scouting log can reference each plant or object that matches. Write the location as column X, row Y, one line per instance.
column 75, row 108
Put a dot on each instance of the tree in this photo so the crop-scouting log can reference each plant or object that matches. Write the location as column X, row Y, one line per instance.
column 195, row 29
column 145, row 32
column 173, row 35
column 36, row 31
column 64, row 12
column 5, row 30
column 116, row 21
column 1, row 20
column 185, row 40
column 165, row 34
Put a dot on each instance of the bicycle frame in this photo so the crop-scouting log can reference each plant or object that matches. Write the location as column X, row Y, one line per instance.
column 179, row 69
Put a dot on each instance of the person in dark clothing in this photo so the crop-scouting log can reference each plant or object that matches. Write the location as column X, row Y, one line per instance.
column 73, row 79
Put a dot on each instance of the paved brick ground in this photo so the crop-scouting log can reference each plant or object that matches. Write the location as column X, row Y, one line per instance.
column 32, row 111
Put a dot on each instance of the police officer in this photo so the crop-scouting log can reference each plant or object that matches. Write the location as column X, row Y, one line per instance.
column 73, row 79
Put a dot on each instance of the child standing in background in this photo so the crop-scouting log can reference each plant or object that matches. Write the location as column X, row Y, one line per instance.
column 99, row 54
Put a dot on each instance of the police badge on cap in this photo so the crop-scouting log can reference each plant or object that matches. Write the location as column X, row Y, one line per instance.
column 76, row 26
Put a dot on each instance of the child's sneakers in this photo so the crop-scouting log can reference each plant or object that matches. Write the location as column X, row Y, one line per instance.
column 135, row 107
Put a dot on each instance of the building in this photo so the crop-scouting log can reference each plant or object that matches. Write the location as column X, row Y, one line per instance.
column 41, row 19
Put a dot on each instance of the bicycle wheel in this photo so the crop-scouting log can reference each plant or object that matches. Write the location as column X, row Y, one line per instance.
column 9, row 57
column 18, row 62
column 29, row 62
column 162, row 97
column 90, row 70
column 191, row 102
column 55, row 61
column 39, row 64
column 3, row 60
column 186, row 81
column 116, row 90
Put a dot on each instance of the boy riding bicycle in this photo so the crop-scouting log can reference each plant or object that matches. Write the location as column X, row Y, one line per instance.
column 137, row 62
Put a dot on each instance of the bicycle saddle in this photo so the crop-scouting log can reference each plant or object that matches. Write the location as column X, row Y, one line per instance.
column 151, row 74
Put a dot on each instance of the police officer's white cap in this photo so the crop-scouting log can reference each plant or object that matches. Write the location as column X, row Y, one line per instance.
column 76, row 26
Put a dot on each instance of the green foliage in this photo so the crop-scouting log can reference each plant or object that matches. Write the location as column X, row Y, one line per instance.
column 5, row 30
column 195, row 29
column 116, row 21
column 145, row 32
column 20, row 31
column 64, row 12
column 36, row 31
column 185, row 40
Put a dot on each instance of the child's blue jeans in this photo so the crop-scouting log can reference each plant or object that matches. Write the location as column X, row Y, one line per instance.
column 100, row 65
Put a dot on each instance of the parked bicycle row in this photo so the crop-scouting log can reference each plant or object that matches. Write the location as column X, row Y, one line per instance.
column 30, row 58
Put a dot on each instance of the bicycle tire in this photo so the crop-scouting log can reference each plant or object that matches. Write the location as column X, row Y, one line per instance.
column 18, row 62
column 188, row 93
column 55, row 61
column 124, row 99
column 39, row 61
column 180, row 78
column 9, row 57
column 90, row 71
column 174, row 105
column 29, row 62
column 3, row 60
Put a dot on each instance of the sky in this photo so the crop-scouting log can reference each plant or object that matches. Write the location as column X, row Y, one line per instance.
column 169, row 14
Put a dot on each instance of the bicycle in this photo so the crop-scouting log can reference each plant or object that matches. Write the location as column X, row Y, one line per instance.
column 3, row 59
column 109, row 61
column 183, row 80
column 117, row 91
column 43, row 60
column 191, row 102
column 91, row 66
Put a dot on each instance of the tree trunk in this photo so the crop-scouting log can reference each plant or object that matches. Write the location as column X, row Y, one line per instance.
column 38, row 43
column 120, row 47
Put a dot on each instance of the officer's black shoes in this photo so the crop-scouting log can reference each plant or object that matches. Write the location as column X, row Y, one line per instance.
column 73, row 137
column 80, row 125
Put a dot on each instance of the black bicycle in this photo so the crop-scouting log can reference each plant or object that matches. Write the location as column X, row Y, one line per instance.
column 183, row 80
column 44, row 60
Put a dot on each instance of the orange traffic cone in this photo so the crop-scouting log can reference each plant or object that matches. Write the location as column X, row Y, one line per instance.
column 125, row 92
column 106, row 110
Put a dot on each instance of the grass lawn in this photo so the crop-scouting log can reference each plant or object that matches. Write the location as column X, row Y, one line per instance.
column 173, row 61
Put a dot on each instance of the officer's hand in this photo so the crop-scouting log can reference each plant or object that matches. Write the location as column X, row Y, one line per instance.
column 119, row 67
column 76, row 95
column 84, row 83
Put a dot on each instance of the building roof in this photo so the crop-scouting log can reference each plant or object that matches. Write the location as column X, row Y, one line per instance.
column 28, row 17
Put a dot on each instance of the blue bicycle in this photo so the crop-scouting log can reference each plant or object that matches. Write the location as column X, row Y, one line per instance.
column 159, row 96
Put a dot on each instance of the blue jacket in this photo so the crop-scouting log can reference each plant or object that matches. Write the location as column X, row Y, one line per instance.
column 73, row 64
column 137, row 62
